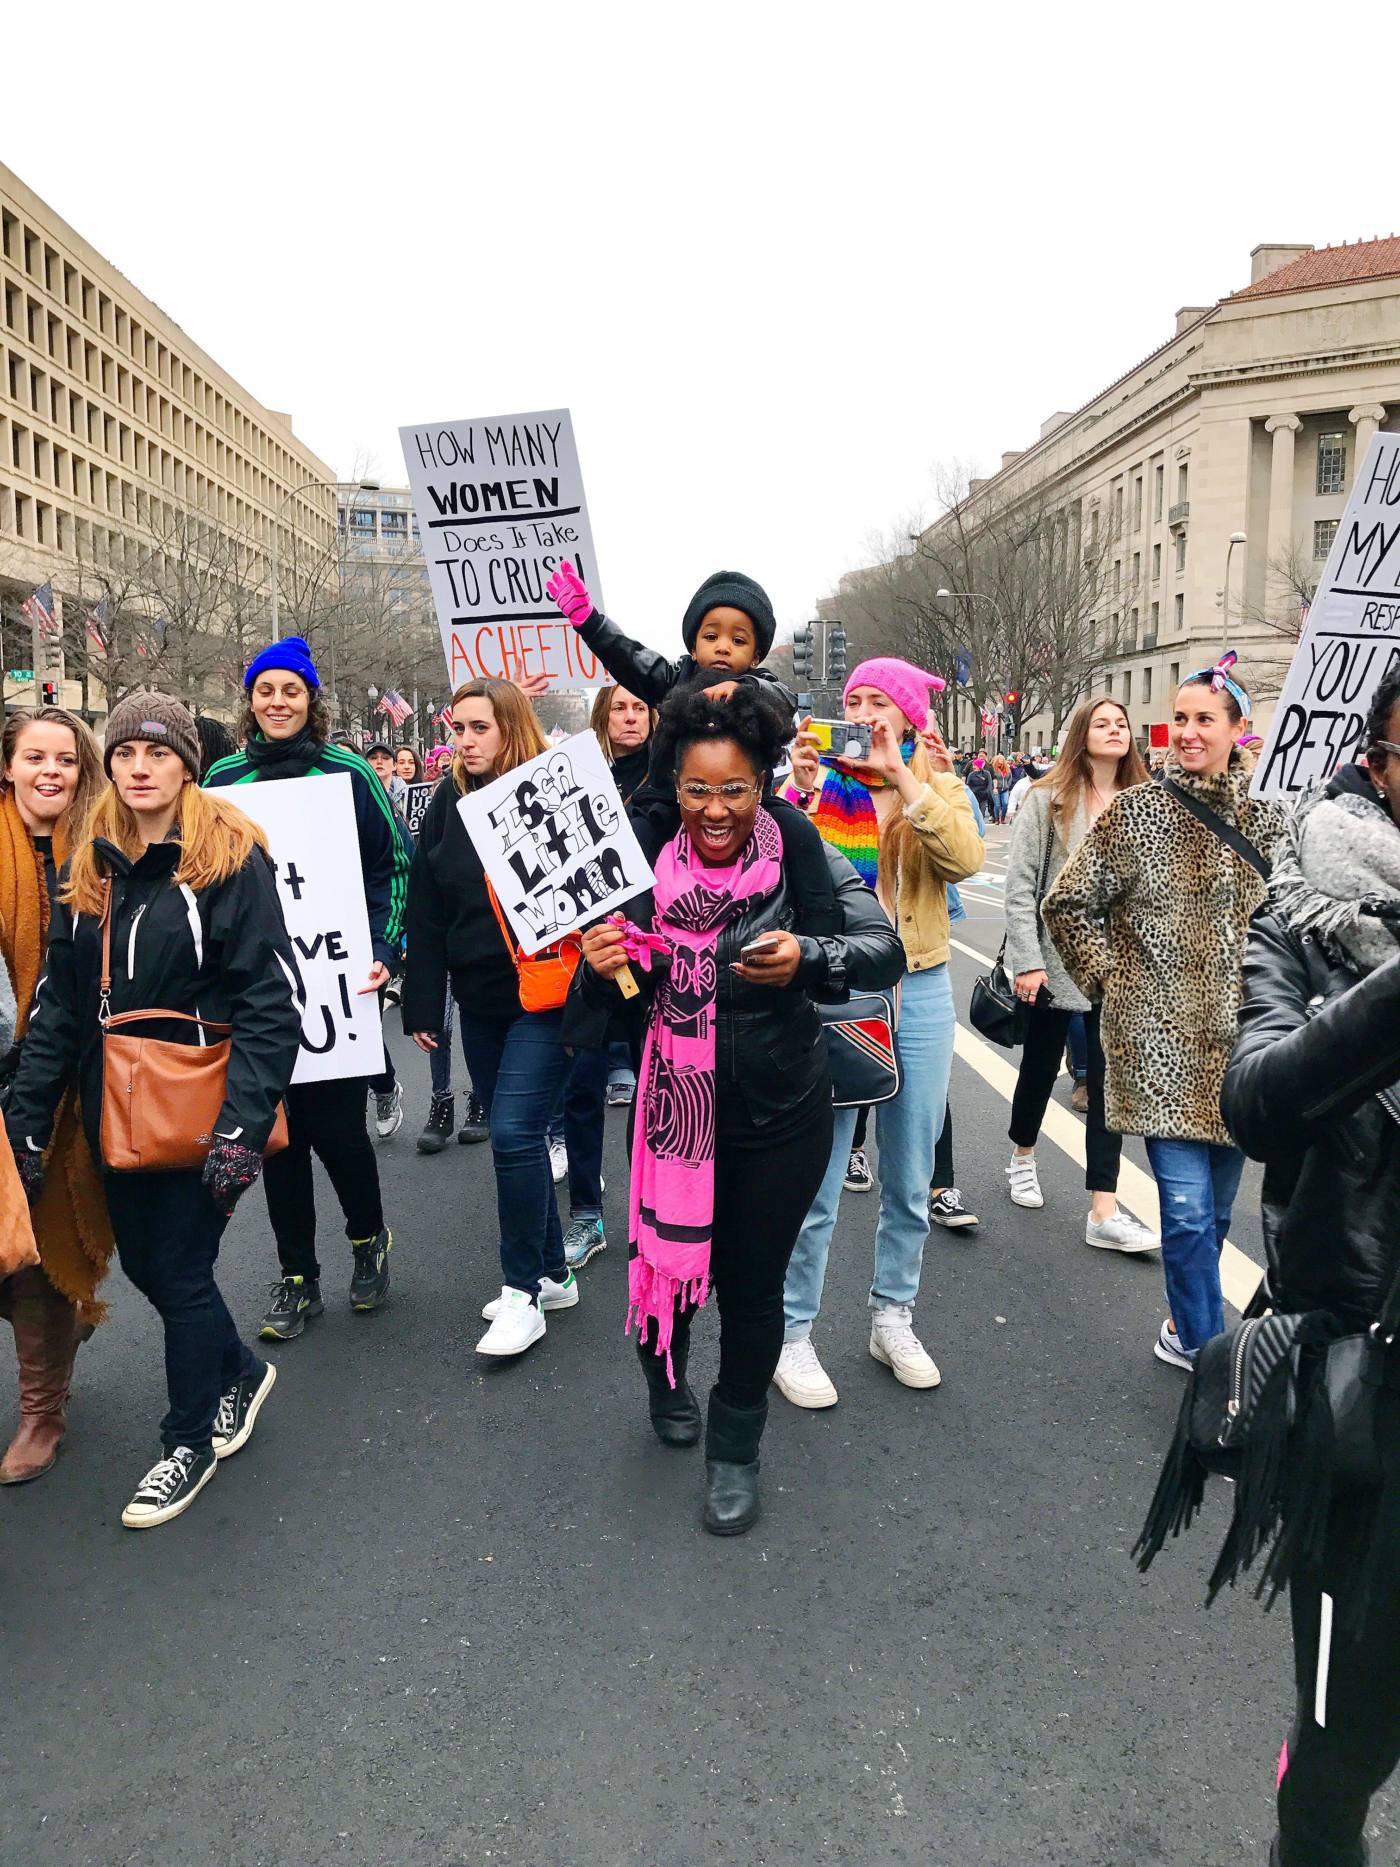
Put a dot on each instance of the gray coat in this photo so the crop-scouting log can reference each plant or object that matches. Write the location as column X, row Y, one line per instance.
column 1029, row 947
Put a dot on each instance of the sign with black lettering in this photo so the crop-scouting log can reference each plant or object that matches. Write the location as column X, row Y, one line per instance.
column 1351, row 638
column 555, row 841
column 310, row 824
column 415, row 805
column 500, row 504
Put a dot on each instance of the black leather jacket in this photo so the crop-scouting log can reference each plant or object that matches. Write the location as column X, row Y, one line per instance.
column 769, row 1047
column 1310, row 1091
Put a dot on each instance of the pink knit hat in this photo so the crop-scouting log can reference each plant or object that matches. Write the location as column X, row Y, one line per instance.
column 905, row 684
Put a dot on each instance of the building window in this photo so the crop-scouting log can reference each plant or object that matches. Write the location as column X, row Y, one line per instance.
column 1324, row 531
column 1183, row 484
column 1137, row 504
column 1156, row 619
column 1128, row 688
column 394, row 524
column 361, row 521
column 1156, row 562
column 1108, row 685
column 1137, row 568
column 1331, row 463
column 1174, row 675
column 1118, row 509
column 1180, row 617
column 1159, row 480
column 1147, row 687
column 1180, row 553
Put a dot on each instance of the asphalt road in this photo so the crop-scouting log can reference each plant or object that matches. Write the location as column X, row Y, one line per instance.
column 439, row 1617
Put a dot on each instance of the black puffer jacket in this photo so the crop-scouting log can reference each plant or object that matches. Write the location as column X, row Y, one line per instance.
column 769, row 1047
column 222, row 953
column 1308, row 1092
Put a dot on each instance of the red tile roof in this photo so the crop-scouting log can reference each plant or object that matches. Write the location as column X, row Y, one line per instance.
column 1331, row 265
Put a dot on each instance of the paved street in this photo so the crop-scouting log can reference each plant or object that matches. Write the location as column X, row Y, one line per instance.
column 438, row 1617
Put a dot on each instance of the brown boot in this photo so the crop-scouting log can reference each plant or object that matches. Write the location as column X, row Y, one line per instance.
column 46, row 1340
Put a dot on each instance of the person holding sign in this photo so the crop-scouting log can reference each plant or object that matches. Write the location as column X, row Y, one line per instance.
column 182, row 887
column 286, row 732
column 515, row 1052
column 734, row 1116
column 1150, row 916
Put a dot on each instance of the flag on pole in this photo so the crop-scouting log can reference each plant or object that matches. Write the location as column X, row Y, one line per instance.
column 97, row 627
column 37, row 609
column 395, row 706
column 445, row 717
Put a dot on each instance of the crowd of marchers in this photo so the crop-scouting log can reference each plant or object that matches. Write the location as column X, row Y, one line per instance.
column 1224, row 974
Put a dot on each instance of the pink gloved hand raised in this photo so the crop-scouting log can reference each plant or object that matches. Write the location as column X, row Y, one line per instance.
column 568, row 590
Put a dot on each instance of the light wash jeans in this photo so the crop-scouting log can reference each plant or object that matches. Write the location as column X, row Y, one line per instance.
column 907, row 1130
column 1196, row 1186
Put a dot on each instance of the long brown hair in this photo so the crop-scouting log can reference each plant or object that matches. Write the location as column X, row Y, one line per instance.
column 522, row 736
column 899, row 843
column 1073, row 775
column 598, row 718
column 216, row 839
column 90, row 774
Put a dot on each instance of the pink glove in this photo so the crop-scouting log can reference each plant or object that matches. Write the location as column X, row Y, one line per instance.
column 566, row 588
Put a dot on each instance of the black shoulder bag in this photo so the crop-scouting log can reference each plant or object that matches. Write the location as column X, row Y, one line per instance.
column 995, row 1011
column 1216, row 824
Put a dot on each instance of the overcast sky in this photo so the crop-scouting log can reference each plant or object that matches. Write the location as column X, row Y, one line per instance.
column 777, row 260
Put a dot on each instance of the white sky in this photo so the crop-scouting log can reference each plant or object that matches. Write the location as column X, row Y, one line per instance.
column 777, row 259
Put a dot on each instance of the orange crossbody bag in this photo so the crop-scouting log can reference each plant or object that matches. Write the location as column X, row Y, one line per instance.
column 543, row 978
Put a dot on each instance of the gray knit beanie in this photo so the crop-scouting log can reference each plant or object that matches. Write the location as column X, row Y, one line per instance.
column 154, row 717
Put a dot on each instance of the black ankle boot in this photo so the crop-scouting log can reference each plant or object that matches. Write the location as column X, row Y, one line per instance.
column 731, row 1466
column 675, row 1412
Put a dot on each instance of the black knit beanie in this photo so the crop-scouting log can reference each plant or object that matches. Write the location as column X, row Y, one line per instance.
column 733, row 590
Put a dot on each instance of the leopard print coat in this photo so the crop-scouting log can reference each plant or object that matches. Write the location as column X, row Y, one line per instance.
column 1151, row 915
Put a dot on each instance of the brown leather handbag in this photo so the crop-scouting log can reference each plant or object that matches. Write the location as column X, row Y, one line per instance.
column 160, row 1100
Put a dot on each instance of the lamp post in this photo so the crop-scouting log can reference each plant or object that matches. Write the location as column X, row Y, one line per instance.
column 295, row 492
column 1236, row 538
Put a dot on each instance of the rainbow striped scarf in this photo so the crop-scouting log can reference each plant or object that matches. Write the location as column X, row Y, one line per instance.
column 845, row 817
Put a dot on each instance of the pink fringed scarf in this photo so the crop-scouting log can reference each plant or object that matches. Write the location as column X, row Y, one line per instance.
column 673, row 1153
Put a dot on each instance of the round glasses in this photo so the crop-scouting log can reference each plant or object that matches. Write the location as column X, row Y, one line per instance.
column 694, row 795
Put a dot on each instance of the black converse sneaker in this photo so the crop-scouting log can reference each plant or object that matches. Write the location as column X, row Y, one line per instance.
column 294, row 1301
column 169, row 1488
column 370, row 1284
column 238, row 1409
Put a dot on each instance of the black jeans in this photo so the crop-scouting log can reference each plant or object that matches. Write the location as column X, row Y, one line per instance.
column 1042, row 1053
column 383, row 1085
column 1334, row 1768
column 585, row 1107
column 763, row 1188
column 328, row 1120
column 168, row 1230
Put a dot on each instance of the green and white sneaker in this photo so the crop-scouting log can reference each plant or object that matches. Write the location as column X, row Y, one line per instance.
column 552, row 1296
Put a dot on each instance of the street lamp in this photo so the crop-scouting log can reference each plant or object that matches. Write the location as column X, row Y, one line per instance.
column 295, row 492
column 1236, row 538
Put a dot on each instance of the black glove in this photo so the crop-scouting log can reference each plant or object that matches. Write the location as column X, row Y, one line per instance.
column 30, row 1164
column 229, row 1170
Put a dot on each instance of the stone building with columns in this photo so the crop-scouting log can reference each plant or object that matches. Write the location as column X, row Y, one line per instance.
column 1226, row 454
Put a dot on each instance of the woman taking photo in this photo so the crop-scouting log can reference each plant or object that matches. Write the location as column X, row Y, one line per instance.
column 185, row 885
column 734, row 1114
column 285, row 729
column 50, row 775
column 516, row 1057
column 1150, row 917
column 1097, row 760
column 905, row 820
column 1309, row 1091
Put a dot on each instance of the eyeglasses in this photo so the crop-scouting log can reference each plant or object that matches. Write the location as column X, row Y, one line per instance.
column 1384, row 745
column 694, row 796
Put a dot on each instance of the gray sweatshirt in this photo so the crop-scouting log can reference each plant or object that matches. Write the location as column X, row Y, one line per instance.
column 1029, row 947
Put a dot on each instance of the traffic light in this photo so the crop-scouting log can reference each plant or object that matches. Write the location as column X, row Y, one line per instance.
column 49, row 690
column 836, row 645
column 802, row 652
column 1011, row 698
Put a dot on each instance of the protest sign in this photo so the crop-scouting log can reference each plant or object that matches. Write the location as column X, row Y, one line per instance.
column 500, row 505
column 310, row 824
column 415, row 806
column 1351, row 638
column 555, row 841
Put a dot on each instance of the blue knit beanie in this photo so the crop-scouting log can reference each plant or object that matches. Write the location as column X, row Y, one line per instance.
column 290, row 655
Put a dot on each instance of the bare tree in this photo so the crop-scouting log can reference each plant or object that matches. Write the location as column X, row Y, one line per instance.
column 1276, row 625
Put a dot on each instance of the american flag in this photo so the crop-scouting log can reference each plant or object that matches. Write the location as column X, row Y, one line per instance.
column 445, row 717
column 395, row 706
column 37, row 609
column 97, row 627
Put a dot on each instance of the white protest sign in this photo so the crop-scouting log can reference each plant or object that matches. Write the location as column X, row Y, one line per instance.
column 310, row 824
column 500, row 503
column 1351, row 638
column 555, row 841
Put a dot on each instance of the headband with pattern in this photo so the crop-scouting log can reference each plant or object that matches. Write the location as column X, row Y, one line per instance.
column 1221, row 682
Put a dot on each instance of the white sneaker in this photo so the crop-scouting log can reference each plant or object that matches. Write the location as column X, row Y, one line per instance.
column 1024, row 1181
column 552, row 1296
column 800, row 1377
column 388, row 1112
column 893, row 1342
column 558, row 1161
column 516, row 1324
column 1120, row 1233
column 1168, row 1348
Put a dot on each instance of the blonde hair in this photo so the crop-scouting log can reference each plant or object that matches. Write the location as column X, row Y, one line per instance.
column 522, row 736
column 90, row 774
column 1069, row 782
column 216, row 839
column 899, row 842
column 598, row 718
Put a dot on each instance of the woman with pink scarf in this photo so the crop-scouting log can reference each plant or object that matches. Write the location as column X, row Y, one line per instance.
column 733, row 1109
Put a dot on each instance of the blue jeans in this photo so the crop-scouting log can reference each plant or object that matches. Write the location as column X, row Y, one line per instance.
column 620, row 1058
column 1079, row 1047
column 584, row 1106
column 518, row 1069
column 907, row 1131
column 440, row 1060
column 1196, row 1186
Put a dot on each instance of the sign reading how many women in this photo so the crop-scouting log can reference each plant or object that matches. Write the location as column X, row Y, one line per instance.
column 555, row 842
column 500, row 505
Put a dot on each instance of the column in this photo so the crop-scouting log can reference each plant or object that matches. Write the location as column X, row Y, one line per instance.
column 1366, row 417
column 1280, row 540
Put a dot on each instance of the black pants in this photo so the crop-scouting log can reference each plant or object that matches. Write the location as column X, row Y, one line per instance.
column 168, row 1231
column 1047, row 1029
column 328, row 1120
column 1334, row 1768
column 763, row 1188
column 383, row 1085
